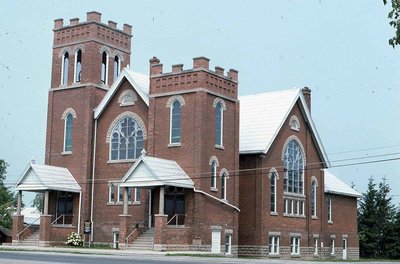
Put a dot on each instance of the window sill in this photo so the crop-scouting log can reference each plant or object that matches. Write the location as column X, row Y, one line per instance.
column 213, row 189
column 274, row 213
column 330, row 222
column 224, row 200
column 295, row 255
column 110, row 203
column 126, row 104
column 274, row 255
column 66, row 153
column 294, row 195
column 174, row 145
column 219, row 146
column 295, row 129
column 314, row 217
column 121, row 161
column 294, row 216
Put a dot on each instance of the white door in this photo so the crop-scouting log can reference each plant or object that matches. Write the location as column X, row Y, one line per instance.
column 216, row 241
column 116, row 240
column 344, row 248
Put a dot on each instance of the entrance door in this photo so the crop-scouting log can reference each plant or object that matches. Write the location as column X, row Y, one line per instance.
column 175, row 204
column 344, row 248
column 116, row 240
column 64, row 208
column 216, row 241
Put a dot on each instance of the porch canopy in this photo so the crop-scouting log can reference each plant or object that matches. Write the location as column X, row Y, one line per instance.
column 151, row 172
column 40, row 178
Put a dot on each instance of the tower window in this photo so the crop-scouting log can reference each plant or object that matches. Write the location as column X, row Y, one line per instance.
column 116, row 67
column 175, row 123
column 64, row 70
column 104, row 68
column 78, row 65
column 218, row 124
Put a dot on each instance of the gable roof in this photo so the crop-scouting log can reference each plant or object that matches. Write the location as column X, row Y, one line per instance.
column 151, row 171
column 336, row 186
column 263, row 115
column 44, row 177
column 139, row 82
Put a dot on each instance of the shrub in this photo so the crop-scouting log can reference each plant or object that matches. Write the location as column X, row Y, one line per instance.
column 74, row 239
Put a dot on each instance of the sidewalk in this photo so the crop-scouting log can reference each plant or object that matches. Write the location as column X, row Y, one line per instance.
column 99, row 251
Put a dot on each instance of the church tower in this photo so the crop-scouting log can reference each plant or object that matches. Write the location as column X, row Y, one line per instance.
column 87, row 58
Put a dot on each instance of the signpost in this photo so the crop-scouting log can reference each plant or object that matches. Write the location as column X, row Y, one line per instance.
column 86, row 229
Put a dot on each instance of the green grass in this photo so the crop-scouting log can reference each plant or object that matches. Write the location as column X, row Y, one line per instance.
column 205, row 255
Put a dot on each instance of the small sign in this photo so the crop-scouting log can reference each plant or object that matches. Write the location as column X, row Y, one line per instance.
column 86, row 227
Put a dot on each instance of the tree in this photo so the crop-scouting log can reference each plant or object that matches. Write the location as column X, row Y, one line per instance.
column 38, row 201
column 367, row 221
column 6, row 198
column 394, row 17
column 386, row 213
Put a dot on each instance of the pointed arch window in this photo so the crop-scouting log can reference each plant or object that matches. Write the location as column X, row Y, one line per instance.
column 175, row 123
column 69, row 120
column 117, row 67
column 78, row 65
column 126, row 140
column 104, row 68
column 294, row 167
column 64, row 70
column 223, row 186
column 219, row 117
column 214, row 174
column 273, row 178
column 314, row 198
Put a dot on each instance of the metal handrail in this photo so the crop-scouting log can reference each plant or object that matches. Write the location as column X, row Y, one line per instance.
column 26, row 228
column 135, row 229
column 62, row 215
column 176, row 216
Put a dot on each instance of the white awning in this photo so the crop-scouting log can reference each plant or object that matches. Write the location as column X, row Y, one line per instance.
column 151, row 172
column 39, row 178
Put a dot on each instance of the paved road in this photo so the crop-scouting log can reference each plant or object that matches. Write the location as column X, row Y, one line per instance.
column 25, row 257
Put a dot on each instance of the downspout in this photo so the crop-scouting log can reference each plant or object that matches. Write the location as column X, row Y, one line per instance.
column 93, row 170
column 79, row 214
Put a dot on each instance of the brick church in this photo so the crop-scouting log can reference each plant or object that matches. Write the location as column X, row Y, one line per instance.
column 176, row 160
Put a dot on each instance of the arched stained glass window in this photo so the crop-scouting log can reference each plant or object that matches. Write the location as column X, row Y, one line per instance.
column 175, row 133
column 69, row 119
column 218, row 123
column 126, row 140
column 294, row 166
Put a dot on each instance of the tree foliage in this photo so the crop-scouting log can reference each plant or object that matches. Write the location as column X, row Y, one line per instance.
column 394, row 17
column 378, row 223
column 38, row 201
column 6, row 198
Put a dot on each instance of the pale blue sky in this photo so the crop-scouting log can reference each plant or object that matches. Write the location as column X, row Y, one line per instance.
column 337, row 48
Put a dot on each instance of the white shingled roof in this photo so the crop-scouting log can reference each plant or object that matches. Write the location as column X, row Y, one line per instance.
column 151, row 171
column 336, row 186
column 44, row 177
column 139, row 81
column 263, row 115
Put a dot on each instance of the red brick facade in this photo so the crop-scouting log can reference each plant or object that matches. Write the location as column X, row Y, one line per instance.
column 198, row 90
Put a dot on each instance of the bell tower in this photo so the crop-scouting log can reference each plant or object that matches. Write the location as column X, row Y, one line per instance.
column 87, row 58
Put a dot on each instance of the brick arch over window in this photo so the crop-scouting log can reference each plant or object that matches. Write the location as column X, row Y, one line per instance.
column 273, row 171
column 68, row 111
column 65, row 49
column 105, row 49
column 174, row 98
column 293, row 137
column 212, row 159
column 118, row 54
column 294, row 123
column 219, row 100
column 79, row 47
column 127, row 93
column 132, row 115
column 224, row 171
column 314, row 179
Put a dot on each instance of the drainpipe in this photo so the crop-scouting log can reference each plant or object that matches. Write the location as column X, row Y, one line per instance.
column 93, row 170
column 79, row 214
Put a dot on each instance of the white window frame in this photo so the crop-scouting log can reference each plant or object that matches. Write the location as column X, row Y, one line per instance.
column 330, row 209
column 118, row 69
column 170, row 123
column 332, row 246
column 228, row 244
column 106, row 69
column 273, row 243
column 137, row 195
column 76, row 65
column 273, row 179
column 286, row 154
column 222, row 104
column 295, row 245
column 314, row 199
column 62, row 69
column 65, row 132
column 224, row 186
column 111, row 192
column 214, row 166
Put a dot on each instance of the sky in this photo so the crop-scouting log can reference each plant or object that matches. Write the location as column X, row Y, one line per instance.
column 337, row 48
